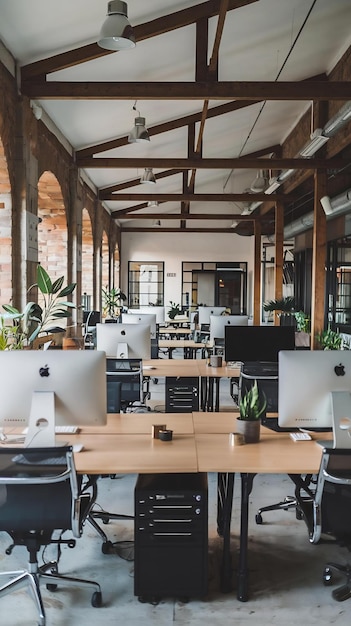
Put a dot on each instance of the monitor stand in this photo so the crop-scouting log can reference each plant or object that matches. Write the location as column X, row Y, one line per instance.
column 41, row 426
column 341, row 415
column 122, row 350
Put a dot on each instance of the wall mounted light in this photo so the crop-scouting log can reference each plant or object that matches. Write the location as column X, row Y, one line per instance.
column 148, row 176
column 116, row 32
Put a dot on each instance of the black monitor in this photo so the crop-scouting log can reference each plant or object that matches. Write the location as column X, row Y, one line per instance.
column 257, row 343
column 91, row 318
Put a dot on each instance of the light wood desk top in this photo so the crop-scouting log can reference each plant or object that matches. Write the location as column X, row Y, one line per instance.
column 276, row 453
column 133, row 454
column 180, row 343
column 141, row 423
column 171, row 367
column 174, row 331
column 218, row 372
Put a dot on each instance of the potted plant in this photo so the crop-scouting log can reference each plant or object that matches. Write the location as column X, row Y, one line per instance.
column 20, row 329
column 331, row 340
column 251, row 406
column 284, row 307
column 174, row 310
column 302, row 335
column 112, row 301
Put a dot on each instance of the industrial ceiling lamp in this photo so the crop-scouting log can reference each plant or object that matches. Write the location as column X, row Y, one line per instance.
column 152, row 204
column 260, row 182
column 116, row 32
column 148, row 176
column 156, row 223
column 139, row 133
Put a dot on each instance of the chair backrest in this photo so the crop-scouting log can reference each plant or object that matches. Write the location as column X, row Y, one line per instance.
column 39, row 490
column 332, row 500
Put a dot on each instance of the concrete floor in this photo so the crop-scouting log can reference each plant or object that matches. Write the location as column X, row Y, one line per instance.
column 285, row 570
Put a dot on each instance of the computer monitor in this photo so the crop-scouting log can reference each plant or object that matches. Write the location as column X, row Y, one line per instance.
column 218, row 322
column 315, row 391
column 257, row 343
column 41, row 389
column 124, row 341
column 159, row 311
column 206, row 311
column 91, row 318
column 141, row 318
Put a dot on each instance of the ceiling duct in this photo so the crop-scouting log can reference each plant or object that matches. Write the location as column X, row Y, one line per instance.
column 336, row 122
column 336, row 206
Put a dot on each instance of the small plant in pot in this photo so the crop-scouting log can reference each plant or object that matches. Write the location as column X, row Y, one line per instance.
column 252, row 406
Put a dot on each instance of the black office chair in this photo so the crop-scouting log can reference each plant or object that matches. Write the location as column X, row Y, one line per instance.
column 40, row 493
column 327, row 511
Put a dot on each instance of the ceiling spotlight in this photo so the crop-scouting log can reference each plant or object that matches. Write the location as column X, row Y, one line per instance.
column 152, row 203
column 260, row 182
column 139, row 133
column 156, row 223
column 148, row 176
column 116, row 32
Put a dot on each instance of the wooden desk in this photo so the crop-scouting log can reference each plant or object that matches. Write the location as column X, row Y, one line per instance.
column 134, row 454
column 141, row 423
column 156, row 368
column 177, row 332
column 189, row 346
column 276, row 453
column 210, row 383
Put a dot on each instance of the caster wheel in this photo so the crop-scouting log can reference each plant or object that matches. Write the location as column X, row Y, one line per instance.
column 258, row 518
column 106, row 547
column 96, row 599
column 327, row 576
column 142, row 599
column 51, row 587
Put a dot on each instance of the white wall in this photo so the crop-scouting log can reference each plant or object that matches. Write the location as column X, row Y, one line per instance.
column 173, row 248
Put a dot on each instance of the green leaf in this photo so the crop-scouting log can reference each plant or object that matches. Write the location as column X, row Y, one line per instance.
column 56, row 286
column 66, row 291
column 44, row 280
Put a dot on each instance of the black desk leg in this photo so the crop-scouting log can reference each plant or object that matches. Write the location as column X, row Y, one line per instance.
column 210, row 394
column 217, row 381
column 225, row 491
column 203, row 398
column 246, row 488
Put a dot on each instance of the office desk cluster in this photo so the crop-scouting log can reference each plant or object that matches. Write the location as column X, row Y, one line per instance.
column 200, row 443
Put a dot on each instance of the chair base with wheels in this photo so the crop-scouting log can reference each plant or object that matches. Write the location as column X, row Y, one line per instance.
column 47, row 574
column 344, row 591
column 289, row 502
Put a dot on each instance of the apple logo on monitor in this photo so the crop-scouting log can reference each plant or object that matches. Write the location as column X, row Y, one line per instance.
column 339, row 369
column 44, row 371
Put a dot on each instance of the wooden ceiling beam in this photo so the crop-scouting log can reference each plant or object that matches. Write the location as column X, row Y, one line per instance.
column 156, row 27
column 190, row 163
column 205, row 90
column 193, row 197
column 133, row 183
column 160, row 229
column 182, row 216
column 180, row 122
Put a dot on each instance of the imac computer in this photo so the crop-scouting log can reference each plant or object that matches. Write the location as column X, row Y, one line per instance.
column 141, row 318
column 159, row 311
column 43, row 389
column 124, row 341
column 206, row 311
column 315, row 392
column 218, row 323
column 257, row 343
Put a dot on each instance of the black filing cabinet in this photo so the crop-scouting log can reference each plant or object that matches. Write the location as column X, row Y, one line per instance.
column 182, row 394
column 171, row 536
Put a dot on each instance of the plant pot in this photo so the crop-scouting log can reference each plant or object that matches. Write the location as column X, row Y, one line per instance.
column 249, row 428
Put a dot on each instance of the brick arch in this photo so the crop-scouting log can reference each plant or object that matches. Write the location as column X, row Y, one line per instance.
column 87, row 259
column 52, row 229
column 5, row 231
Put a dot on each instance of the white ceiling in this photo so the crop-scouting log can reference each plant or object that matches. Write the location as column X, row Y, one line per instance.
column 258, row 44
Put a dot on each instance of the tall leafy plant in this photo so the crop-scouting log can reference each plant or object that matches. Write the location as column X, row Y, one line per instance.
column 36, row 317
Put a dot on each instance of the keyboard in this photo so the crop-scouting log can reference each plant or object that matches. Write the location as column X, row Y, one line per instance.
column 60, row 430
